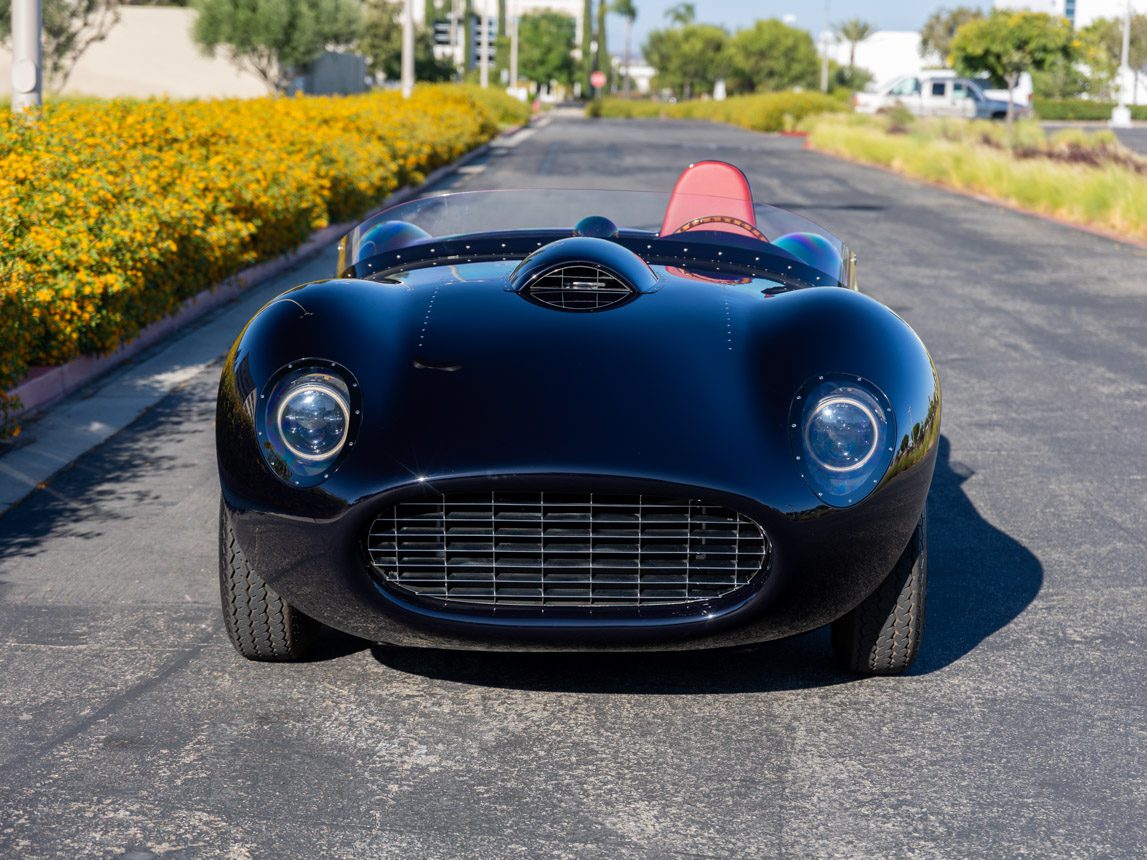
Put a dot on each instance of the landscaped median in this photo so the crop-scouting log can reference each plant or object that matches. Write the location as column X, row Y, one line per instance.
column 761, row 112
column 113, row 213
column 1083, row 177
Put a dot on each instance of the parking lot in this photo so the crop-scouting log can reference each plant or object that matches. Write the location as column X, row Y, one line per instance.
column 131, row 727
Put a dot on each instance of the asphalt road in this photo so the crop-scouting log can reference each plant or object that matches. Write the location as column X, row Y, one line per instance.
column 131, row 728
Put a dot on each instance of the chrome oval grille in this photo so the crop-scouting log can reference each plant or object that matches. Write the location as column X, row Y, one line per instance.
column 566, row 549
column 579, row 288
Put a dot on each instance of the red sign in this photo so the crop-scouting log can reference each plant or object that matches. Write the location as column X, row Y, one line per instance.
column 598, row 79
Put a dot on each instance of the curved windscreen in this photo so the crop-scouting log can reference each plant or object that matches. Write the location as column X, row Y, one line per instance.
column 708, row 222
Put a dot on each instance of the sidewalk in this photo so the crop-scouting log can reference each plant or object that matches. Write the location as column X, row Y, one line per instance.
column 87, row 417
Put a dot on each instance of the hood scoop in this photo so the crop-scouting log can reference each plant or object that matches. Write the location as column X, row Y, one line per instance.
column 582, row 274
column 578, row 288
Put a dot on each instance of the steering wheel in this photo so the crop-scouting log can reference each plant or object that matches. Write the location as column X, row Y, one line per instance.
column 721, row 219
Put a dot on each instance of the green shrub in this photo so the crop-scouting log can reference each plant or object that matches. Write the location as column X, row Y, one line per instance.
column 1080, row 109
column 761, row 112
column 507, row 110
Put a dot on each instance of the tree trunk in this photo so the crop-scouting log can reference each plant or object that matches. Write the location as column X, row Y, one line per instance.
column 586, row 43
column 628, row 35
column 601, row 61
column 851, row 57
column 1012, row 79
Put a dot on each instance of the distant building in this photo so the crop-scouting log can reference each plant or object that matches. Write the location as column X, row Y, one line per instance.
column 448, row 23
column 1079, row 12
column 640, row 75
column 150, row 52
column 887, row 54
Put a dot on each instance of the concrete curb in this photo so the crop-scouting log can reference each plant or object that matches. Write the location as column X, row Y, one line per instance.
column 46, row 386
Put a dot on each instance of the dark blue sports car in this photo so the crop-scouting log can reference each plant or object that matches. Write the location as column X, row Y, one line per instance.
column 579, row 420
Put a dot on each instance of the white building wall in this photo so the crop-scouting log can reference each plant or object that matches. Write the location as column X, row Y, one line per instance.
column 886, row 53
column 1051, row 7
column 1087, row 11
column 150, row 53
column 1081, row 12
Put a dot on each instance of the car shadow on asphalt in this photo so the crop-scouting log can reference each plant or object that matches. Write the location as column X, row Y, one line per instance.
column 979, row 580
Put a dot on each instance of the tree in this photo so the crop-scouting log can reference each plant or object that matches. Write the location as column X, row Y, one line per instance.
column 940, row 28
column 856, row 78
column 1007, row 44
column 586, row 47
column 381, row 44
column 545, row 42
column 601, row 60
column 1104, row 37
column 276, row 38
column 627, row 9
column 681, row 15
column 68, row 29
column 689, row 59
column 771, row 55
column 854, row 31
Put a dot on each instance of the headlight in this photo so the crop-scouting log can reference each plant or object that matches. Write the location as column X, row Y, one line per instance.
column 841, row 427
column 310, row 417
column 841, row 433
column 313, row 419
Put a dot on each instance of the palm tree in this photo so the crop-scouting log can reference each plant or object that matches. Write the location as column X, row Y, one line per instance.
column 854, row 32
column 681, row 14
column 627, row 9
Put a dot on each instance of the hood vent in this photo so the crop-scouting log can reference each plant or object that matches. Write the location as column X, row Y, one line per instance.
column 578, row 288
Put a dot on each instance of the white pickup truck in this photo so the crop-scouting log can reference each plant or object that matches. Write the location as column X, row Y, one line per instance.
column 942, row 93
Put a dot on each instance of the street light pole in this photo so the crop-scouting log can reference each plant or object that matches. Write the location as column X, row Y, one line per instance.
column 513, row 48
column 484, row 43
column 408, row 49
column 1121, row 114
column 824, row 48
column 27, row 82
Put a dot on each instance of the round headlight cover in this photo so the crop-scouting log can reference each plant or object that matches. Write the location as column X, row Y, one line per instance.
column 313, row 419
column 841, row 433
column 309, row 420
column 840, row 427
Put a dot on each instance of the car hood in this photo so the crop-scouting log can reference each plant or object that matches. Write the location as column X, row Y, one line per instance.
column 690, row 383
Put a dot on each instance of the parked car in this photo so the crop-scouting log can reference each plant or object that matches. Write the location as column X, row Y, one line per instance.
column 937, row 94
column 510, row 423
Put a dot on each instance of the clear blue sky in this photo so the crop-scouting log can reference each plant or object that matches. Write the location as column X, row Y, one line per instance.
column 885, row 14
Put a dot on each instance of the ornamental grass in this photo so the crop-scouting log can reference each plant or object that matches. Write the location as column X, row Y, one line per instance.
column 113, row 213
column 761, row 112
column 1081, row 177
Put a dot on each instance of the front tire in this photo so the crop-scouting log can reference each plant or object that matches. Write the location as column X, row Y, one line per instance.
column 882, row 635
column 260, row 624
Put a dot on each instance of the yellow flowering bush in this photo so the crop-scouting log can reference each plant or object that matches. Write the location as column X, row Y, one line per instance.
column 112, row 213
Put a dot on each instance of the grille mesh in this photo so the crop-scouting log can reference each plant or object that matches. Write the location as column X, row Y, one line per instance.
column 563, row 549
column 579, row 288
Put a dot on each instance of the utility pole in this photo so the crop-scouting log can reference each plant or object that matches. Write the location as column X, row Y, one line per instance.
column 454, row 30
column 408, row 49
column 27, row 61
column 484, row 47
column 1121, row 114
column 824, row 50
column 513, row 46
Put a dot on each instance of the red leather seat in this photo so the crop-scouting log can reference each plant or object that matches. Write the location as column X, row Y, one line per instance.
column 711, row 195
